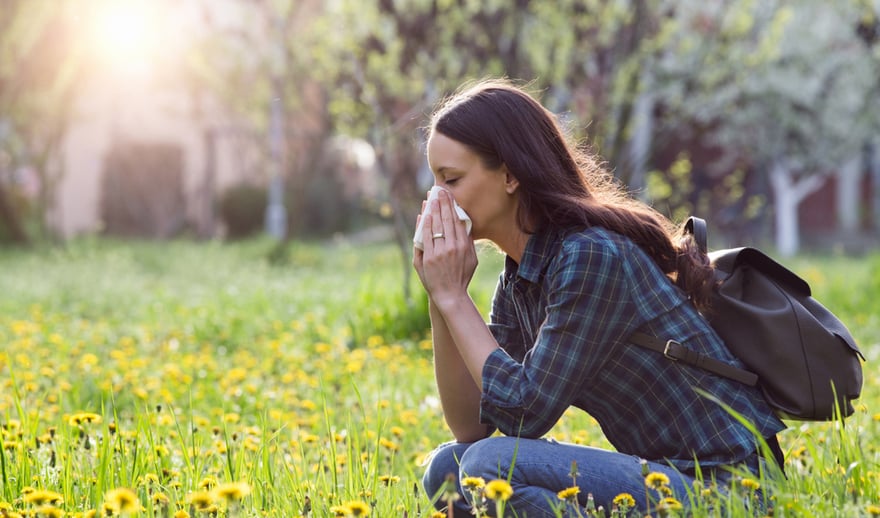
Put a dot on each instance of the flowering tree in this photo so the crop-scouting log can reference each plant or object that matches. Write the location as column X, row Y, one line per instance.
column 794, row 104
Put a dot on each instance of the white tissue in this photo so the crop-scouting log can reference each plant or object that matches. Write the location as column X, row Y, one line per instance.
column 462, row 215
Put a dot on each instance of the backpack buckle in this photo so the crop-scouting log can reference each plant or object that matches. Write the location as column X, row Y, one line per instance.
column 672, row 350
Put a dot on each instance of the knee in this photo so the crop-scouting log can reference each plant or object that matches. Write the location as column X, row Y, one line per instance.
column 443, row 461
column 489, row 458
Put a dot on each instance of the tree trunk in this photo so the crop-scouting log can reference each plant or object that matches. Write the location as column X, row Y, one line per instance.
column 788, row 193
column 207, row 224
column 11, row 219
column 643, row 127
column 873, row 159
column 848, row 195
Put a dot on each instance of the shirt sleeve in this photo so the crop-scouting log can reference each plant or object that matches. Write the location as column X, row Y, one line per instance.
column 503, row 322
column 588, row 311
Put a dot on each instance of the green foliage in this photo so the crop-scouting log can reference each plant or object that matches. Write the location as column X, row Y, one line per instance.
column 680, row 192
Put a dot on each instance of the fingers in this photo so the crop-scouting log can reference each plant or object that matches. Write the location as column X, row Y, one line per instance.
column 437, row 227
column 442, row 228
column 447, row 214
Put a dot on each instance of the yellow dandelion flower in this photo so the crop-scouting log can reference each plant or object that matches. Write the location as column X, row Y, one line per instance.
column 150, row 478
column 41, row 497
column 656, row 480
column 568, row 493
column 201, row 500
column 124, row 500
column 798, row 452
column 874, row 510
column 161, row 499
column 471, row 483
column 84, row 418
column 498, row 490
column 181, row 514
column 50, row 511
column 624, row 500
column 357, row 508
column 391, row 445
column 750, row 484
column 339, row 510
column 669, row 504
column 207, row 483
column 389, row 479
column 232, row 491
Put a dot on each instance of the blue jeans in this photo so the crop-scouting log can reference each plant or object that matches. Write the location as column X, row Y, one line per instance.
column 540, row 468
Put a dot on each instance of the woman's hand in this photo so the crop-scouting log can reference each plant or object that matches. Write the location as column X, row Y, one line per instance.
column 447, row 264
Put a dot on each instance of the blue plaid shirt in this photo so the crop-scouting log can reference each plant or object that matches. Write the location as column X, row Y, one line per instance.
column 562, row 318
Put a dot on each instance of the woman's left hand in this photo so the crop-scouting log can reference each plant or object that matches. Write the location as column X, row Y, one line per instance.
column 449, row 259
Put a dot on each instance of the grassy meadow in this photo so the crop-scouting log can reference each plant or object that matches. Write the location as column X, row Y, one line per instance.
column 183, row 379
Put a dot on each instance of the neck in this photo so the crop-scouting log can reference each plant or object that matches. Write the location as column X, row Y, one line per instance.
column 513, row 244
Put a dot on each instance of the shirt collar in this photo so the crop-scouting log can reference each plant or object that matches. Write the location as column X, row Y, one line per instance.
column 538, row 252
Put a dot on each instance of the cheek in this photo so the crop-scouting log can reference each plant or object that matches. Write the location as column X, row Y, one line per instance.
column 469, row 205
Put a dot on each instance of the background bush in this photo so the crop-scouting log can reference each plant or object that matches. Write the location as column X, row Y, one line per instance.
column 243, row 209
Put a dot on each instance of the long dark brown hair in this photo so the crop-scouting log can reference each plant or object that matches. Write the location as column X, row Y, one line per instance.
column 562, row 185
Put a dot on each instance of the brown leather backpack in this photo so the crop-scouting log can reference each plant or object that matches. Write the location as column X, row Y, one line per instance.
column 800, row 354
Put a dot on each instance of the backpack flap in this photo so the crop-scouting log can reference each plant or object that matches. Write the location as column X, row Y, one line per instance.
column 800, row 350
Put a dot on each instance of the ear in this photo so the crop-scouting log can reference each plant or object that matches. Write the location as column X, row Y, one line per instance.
column 511, row 184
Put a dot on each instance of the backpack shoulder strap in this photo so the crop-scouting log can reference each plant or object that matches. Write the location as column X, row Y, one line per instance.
column 677, row 352
column 697, row 228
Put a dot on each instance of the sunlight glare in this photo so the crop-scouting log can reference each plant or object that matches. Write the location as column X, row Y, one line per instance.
column 125, row 33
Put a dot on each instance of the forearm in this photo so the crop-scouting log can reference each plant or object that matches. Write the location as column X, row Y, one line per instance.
column 459, row 393
column 469, row 333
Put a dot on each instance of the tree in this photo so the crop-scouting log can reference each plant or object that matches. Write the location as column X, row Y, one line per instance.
column 793, row 104
column 37, row 82
column 262, row 69
column 397, row 58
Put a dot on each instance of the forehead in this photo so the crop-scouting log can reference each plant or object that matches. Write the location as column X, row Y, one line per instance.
column 444, row 152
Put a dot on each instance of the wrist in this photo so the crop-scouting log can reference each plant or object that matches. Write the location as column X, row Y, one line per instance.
column 448, row 303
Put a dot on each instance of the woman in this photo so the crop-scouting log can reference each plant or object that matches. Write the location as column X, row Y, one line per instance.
column 586, row 266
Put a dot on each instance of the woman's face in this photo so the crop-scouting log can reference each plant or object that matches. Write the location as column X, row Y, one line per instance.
column 487, row 195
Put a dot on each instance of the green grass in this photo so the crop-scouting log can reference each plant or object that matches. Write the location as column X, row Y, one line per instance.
column 305, row 375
